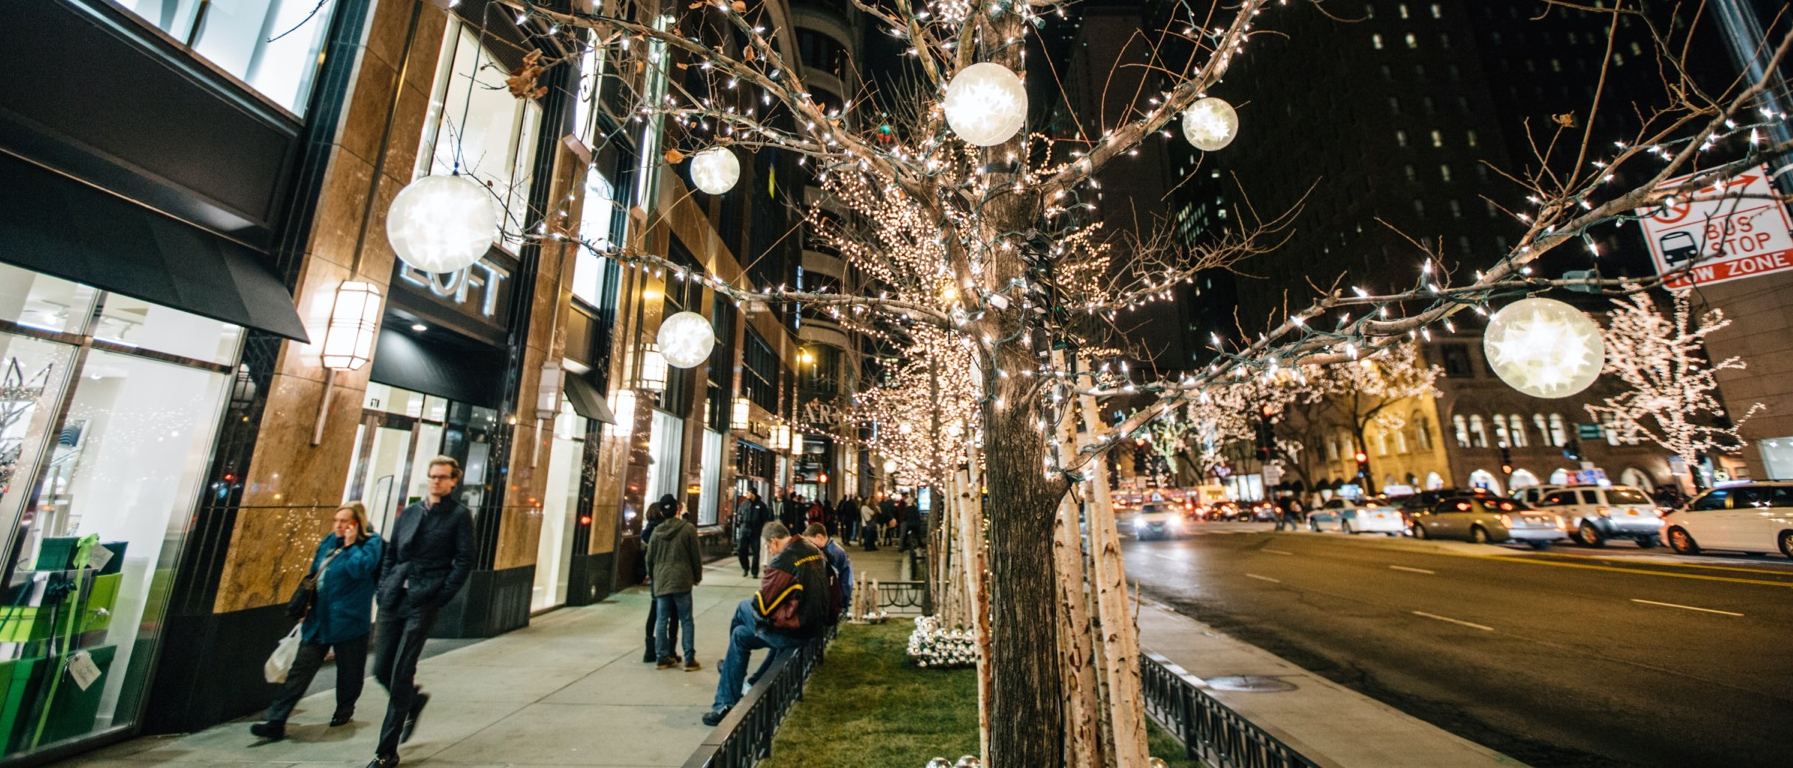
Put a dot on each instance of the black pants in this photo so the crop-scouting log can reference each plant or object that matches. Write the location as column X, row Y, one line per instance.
column 749, row 553
column 871, row 538
column 398, row 644
column 672, row 632
column 351, row 674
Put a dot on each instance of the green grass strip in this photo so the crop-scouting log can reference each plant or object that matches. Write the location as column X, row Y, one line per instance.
column 869, row 706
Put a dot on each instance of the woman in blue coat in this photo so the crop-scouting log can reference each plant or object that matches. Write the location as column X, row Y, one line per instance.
column 341, row 617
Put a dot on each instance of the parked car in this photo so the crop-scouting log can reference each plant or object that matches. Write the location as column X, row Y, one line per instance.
column 1424, row 501
column 1263, row 512
column 1347, row 516
column 1484, row 518
column 1751, row 517
column 1595, row 514
column 1153, row 520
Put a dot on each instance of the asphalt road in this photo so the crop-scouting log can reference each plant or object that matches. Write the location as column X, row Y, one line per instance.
column 1612, row 657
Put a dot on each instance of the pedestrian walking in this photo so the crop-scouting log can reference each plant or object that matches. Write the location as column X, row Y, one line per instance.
column 910, row 524
column 790, row 609
column 657, row 513
column 846, row 518
column 868, row 525
column 422, row 567
column 1285, row 519
column 750, row 516
column 339, row 618
column 677, row 566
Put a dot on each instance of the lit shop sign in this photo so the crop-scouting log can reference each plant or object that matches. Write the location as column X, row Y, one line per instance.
column 479, row 289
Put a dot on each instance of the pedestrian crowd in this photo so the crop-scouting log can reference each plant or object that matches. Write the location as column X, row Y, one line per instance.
column 426, row 558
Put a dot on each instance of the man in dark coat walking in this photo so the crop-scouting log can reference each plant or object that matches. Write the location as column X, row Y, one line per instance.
column 750, row 516
column 425, row 564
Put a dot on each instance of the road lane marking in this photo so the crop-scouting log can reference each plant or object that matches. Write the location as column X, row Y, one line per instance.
column 1411, row 570
column 1263, row 578
column 1275, row 551
column 1451, row 620
column 1633, row 571
column 1685, row 607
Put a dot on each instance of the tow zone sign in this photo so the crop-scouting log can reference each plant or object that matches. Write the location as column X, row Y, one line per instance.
column 1728, row 231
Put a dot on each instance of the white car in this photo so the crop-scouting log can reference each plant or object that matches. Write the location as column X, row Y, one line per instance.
column 1596, row 514
column 1347, row 516
column 1752, row 517
column 1156, row 520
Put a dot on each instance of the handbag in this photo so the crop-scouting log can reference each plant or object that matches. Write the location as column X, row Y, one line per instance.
column 307, row 592
column 280, row 662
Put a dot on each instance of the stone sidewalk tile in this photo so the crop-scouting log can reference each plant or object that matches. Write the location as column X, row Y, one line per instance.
column 569, row 689
column 1321, row 719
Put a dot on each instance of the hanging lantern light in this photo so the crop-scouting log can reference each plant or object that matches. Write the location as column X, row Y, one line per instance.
column 985, row 104
column 1210, row 124
column 715, row 170
column 442, row 224
column 1544, row 348
column 685, row 340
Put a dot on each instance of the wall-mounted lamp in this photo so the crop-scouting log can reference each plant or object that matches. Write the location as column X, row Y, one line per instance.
column 653, row 369
column 547, row 404
column 796, row 446
column 622, row 404
column 738, row 419
column 348, row 339
column 781, row 436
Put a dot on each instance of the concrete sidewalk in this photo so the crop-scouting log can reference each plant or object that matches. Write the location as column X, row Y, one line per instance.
column 569, row 689
column 1322, row 720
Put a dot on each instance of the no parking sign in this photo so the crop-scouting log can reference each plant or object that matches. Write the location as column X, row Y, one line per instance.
column 1727, row 231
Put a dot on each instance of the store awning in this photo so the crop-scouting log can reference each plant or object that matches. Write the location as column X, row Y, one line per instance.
column 587, row 400
column 55, row 225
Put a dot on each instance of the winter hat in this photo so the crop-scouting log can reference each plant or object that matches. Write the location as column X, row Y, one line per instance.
column 668, row 503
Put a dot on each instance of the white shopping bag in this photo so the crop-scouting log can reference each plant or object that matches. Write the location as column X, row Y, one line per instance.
column 281, row 661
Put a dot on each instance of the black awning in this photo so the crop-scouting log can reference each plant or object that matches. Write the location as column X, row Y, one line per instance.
column 586, row 400
column 55, row 225
column 438, row 362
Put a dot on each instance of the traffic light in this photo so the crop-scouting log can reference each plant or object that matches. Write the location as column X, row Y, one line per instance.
column 1363, row 464
column 1506, row 460
column 1266, row 433
column 1572, row 450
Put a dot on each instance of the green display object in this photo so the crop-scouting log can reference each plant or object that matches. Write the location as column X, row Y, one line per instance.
column 96, row 614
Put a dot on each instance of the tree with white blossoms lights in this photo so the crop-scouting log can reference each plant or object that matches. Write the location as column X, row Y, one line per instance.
column 1670, row 384
column 1000, row 255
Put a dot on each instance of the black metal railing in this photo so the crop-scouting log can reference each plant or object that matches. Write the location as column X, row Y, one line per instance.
column 903, row 597
column 744, row 738
column 1211, row 731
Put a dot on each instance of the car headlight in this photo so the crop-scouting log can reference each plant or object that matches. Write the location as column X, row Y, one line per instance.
column 1173, row 523
column 1139, row 523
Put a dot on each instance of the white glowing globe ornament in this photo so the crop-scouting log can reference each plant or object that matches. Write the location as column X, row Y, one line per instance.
column 985, row 104
column 1210, row 124
column 890, row 466
column 1544, row 348
column 715, row 170
column 442, row 223
column 685, row 340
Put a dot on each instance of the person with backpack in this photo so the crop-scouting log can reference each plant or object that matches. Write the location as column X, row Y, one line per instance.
column 790, row 609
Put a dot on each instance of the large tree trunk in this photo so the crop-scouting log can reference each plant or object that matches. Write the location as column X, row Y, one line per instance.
column 1026, row 714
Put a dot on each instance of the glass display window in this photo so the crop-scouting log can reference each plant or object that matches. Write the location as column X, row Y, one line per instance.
column 109, row 411
column 400, row 431
column 270, row 45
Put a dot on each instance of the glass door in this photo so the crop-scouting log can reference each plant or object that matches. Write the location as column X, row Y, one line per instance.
column 554, row 548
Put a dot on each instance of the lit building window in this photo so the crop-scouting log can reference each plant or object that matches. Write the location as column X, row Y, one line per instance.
column 1478, row 432
column 1518, row 430
column 1462, row 427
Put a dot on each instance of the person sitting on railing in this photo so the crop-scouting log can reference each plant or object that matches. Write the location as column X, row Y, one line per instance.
column 840, row 570
column 790, row 609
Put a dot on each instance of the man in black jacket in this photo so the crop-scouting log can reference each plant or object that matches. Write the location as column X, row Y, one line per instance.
column 750, row 515
column 424, row 564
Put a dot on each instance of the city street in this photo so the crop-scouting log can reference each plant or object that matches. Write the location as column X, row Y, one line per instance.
column 1575, row 657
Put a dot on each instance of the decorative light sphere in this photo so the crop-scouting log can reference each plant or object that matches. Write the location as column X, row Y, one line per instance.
column 889, row 466
column 715, row 170
column 985, row 104
column 1210, row 124
column 1156, row 762
column 939, row 762
column 969, row 761
column 685, row 339
column 1544, row 348
column 442, row 223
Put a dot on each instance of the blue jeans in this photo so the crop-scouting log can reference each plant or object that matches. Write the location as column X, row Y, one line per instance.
column 743, row 639
column 666, row 607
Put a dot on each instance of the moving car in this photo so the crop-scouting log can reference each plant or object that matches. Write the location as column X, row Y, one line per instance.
column 1595, row 514
column 1751, row 517
column 1153, row 520
column 1263, row 512
column 1482, row 518
column 1347, row 516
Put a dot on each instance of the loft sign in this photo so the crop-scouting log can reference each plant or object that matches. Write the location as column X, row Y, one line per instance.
column 476, row 289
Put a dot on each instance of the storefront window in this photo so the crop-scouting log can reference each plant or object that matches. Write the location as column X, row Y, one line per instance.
column 400, row 431
column 709, row 500
column 99, row 469
column 272, row 45
column 554, row 549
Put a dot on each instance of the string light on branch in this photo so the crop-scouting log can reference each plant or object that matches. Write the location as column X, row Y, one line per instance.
column 985, row 104
column 1544, row 348
column 442, row 224
column 715, row 170
column 1210, row 124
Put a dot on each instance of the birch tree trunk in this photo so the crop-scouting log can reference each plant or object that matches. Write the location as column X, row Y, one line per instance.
column 975, row 563
column 1119, row 636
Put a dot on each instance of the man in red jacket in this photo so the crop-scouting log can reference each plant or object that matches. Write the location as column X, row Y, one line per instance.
column 790, row 609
